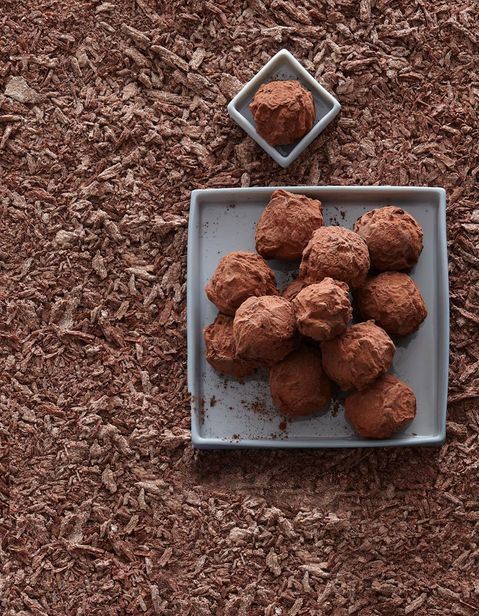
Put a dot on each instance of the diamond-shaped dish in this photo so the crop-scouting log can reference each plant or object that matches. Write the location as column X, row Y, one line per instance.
column 283, row 66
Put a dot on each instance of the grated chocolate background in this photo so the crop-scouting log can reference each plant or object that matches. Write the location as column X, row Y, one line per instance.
column 110, row 114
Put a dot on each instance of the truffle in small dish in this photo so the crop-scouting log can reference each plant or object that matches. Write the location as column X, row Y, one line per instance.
column 283, row 111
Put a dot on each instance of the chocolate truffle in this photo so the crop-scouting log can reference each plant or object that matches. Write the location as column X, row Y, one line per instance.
column 359, row 356
column 382, row 409
column 323, row 309
column 221, row 348
column 393, row 301
column 393, row 236
column 298, row 383
column 283, row 111
column 294, row 287
column 239, row 275
column 264, row 329
column 338, row 253
column 286, row 225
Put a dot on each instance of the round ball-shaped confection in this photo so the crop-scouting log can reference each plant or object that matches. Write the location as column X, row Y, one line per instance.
column 393, row 236
column 383, row 409
column 286, row 225
column 337, row 253
column 283, row 112
column 323, row 309
column 358, row 357
column 264, row 329
column 298, row 383
column 393, row 301
column 221, row 348
column 240, row 275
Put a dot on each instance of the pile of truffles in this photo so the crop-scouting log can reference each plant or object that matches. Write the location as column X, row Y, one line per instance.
column 305, row 336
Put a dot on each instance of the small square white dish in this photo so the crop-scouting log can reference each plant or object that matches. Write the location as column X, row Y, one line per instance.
column 284, row 66
column 227, row 413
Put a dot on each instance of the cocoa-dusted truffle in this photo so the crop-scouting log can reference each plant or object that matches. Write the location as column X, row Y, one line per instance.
column 283, row 111
column 265, row 329
column 292, row 290
column 393, row 301
column 338, row 253
column 393, row 236
column 239, row 275
column 298, row 383
column 323, row 309
column 221, row 348
column 359, row 356
column 286, row 225
column 382, row 409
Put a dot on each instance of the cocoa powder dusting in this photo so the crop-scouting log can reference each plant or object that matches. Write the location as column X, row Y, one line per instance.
column 335, row 407
column 201, row 408
column 110, row 114
column 258, row 406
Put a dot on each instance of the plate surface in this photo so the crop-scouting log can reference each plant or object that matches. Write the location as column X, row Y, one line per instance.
column 227, row 413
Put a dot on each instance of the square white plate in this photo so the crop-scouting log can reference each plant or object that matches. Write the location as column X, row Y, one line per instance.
column 284, row 66
column 227, row 413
